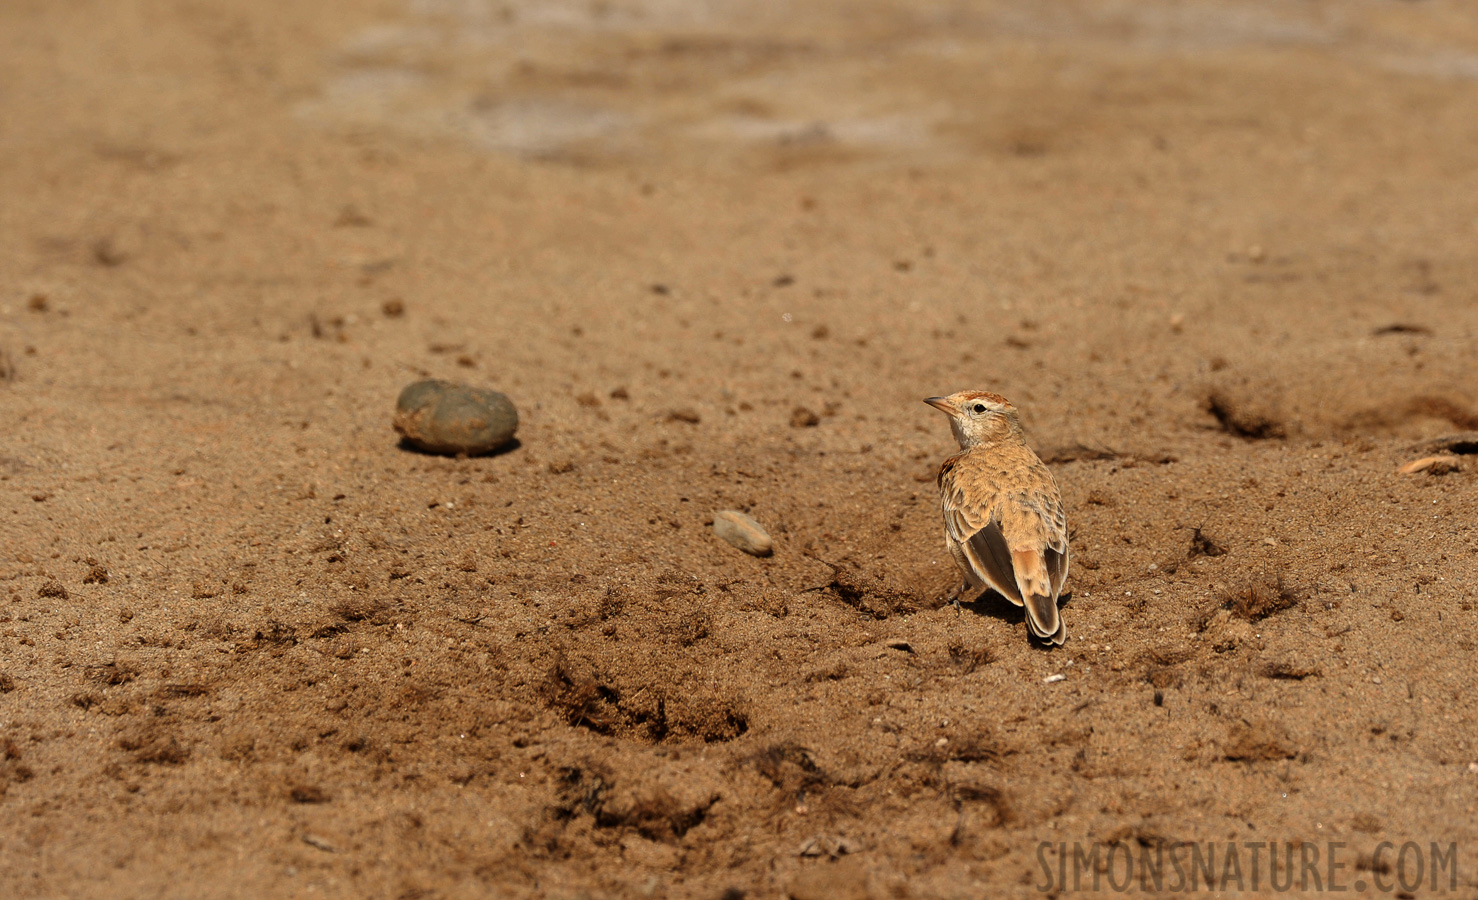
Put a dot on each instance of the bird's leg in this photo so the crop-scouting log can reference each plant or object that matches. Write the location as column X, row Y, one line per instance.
column 954, row 595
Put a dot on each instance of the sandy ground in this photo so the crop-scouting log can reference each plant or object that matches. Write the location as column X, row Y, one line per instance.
column 1220, row 254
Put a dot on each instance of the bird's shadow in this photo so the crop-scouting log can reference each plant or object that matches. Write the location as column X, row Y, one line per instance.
column 992, row 604
column 509, row 447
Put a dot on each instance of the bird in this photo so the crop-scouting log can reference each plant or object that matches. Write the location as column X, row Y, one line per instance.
column 1004, row 522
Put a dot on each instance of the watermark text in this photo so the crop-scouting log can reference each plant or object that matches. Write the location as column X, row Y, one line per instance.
column 1276, row 866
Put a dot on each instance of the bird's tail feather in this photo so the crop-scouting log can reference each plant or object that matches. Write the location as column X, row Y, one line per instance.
column 1043, row 620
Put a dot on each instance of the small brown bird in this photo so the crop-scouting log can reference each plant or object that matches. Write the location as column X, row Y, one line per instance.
column 1003, row 518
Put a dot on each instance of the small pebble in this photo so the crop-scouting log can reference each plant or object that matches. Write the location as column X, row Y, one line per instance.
column 454, row 419
column 1440, row 464
column 1053, row 679
column 743, row 532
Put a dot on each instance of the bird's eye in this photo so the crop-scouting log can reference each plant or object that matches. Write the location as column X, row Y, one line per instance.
column 980, row 407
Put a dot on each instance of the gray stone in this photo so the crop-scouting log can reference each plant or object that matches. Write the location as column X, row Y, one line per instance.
column 454, row 419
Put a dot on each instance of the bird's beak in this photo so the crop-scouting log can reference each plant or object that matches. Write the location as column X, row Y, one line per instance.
column 942, row 404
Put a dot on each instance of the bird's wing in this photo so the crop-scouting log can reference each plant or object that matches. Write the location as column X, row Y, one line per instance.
column 972, row 523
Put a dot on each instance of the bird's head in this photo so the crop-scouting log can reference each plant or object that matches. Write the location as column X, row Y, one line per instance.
column 978, row 417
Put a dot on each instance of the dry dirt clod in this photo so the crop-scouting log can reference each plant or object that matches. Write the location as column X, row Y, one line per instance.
column 832, row 845
column 742, row 532
column 1258, row 742
column 1463, row 443
column 1258, row 596
column 1246, row 413
column 1201, row 545
column 1289, row 669
column 801, row 417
